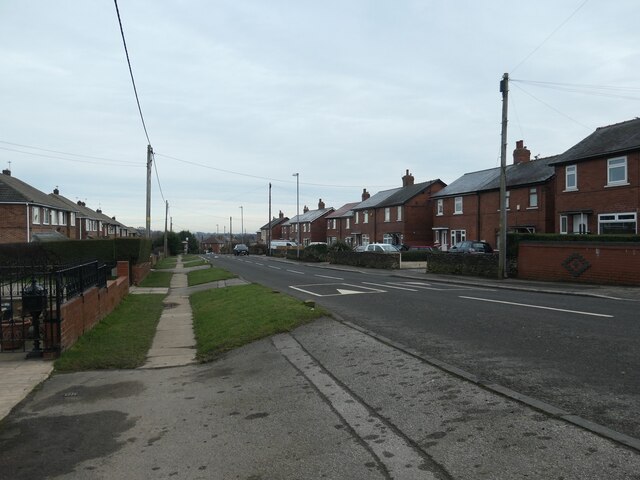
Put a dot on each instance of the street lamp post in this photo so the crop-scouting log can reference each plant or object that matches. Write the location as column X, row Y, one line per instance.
column 297, row 175
column 241, row 224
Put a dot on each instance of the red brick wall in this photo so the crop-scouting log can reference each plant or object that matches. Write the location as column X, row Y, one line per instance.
column 139, row 272
column 13, row 224
column 603, row 263
column 82, row 313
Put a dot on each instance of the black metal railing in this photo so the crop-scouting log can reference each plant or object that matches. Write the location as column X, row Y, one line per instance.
column 30, row 301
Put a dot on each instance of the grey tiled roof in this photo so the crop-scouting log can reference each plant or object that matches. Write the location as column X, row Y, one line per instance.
column 608, row 140
column 274, row 222
column 13, row 190
column 395, row 196
column 310, row 216
column 527, row 173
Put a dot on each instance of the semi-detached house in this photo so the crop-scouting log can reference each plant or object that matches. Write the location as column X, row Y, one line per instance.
column 598, row 182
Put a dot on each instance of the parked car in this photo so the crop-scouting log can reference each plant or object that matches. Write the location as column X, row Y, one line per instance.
column 471, row 246
column 359, row 248
column 240, row 249
column 381, row 248
column 423, row 248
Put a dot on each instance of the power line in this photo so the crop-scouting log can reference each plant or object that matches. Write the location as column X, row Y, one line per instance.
column 133, row 82
column 594, row 90
column 123, row 164
column 155, row 167
column 109, row 160
column 551, row 107
column 549, row 36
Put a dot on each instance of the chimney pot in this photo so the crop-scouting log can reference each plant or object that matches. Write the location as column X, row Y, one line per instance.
column 305, row 209
column 407, row 179
column 521, row 154
column 6, row 172
column 365, row 195
column 320, row 204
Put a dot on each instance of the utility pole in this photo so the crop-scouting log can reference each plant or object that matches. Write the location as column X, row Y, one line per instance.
column 502, row 241
column 241, row 224
column 166, row 216
column 297, row 175
column 149, row 161
column 230, row 234
column 269, row 224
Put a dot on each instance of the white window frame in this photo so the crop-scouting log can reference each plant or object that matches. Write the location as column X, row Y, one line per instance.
column 348, row 223
column 624, row 217
column 399, row 213
column 357, row 218
column 46, row 216
column 570, row 171
column 365, row 239
column 440, row 207
column 365, row 216
column 533, row 197
column 35, row 215
column 387, row 214
column 457, row 206
column 564, row 224
column 73, row 219
column 617, row 164
column 507, row 199
column 458, row 236
column 387, row 238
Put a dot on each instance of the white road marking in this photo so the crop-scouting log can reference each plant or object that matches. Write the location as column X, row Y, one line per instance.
column 331, row 278
column 390, row 286
column 341, row 291
column 444, row 288
column 275, row 268
column 295, row 271
column 261, row 264
column 539, row 306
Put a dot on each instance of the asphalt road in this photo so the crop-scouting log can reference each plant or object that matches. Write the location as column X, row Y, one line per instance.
column 580, row 354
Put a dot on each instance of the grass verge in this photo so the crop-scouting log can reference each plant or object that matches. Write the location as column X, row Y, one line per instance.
column 121, row 340
column 226, row 318
column 212, row 274
column 169, row 262
column 195, row 263
column 157, row 279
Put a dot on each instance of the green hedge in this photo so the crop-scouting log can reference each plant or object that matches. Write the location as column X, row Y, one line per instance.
column 70, row 252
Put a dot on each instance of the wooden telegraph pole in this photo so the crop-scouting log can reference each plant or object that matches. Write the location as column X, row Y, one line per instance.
column 502, row 240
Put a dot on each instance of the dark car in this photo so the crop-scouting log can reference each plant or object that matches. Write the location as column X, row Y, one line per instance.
column 471, row 246
column 241, row 249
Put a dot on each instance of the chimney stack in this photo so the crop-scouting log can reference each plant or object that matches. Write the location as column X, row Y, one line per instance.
column 6, row 172
column 365, row 195
column 305, row 209
column 320, row 204
column 281, row 215
column 56, row 191
column 408, row 179
column 521, row 154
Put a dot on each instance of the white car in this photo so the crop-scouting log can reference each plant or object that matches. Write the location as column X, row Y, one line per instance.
column 381, row 248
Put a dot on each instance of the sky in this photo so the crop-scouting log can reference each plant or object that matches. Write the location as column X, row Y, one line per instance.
column 349, row 94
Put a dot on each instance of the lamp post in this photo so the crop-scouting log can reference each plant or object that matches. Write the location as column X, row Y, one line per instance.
column 241, row 224
column 297, row 175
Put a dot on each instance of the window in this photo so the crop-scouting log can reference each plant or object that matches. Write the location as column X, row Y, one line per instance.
column 73, row 219
column 564, row 224
column 63, row 218
column 618, row 223
column 365, row 216
column 507, row 198
column 440, row 207
column 54, row 217
column 617, row 171
column 457, row 206
column 46, row 216
column 387, row 238
column 533, row 197
column 571, row 177
column 35, row 215
column 458, row 236
column 357, row 218
column 365, row 239
column 399, row 218
column 387, row 214
column 348, row 223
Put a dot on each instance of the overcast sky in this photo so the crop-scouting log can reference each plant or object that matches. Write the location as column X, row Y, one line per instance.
column 239, row 93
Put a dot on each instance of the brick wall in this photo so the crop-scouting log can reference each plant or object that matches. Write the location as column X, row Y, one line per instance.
column 584, row 262
column 82, row 313
column 13, row 223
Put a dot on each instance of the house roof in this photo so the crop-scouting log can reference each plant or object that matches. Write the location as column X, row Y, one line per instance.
column 526, row 173
column 310, row 216
column 13, row 190
column 608, row 140
column 344, row 211
column 395, row 196
column 273, row 223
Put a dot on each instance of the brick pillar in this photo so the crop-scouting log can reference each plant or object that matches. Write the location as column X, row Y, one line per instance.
column 123, row 269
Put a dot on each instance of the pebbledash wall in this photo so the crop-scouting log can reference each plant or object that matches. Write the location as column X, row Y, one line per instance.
column 82, row 313
column 585, row 262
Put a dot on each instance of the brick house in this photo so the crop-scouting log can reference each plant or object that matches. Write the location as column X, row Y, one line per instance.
column 312, row 225
column 276, row 228
column 339, row 224
column 27, row 214
column 212, row 244
column 398, row 216
column 469, row 208
column 598, row 182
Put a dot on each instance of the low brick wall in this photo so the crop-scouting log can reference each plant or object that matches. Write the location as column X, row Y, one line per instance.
column 84, row 312
column 139, row 272
column 584, row 262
